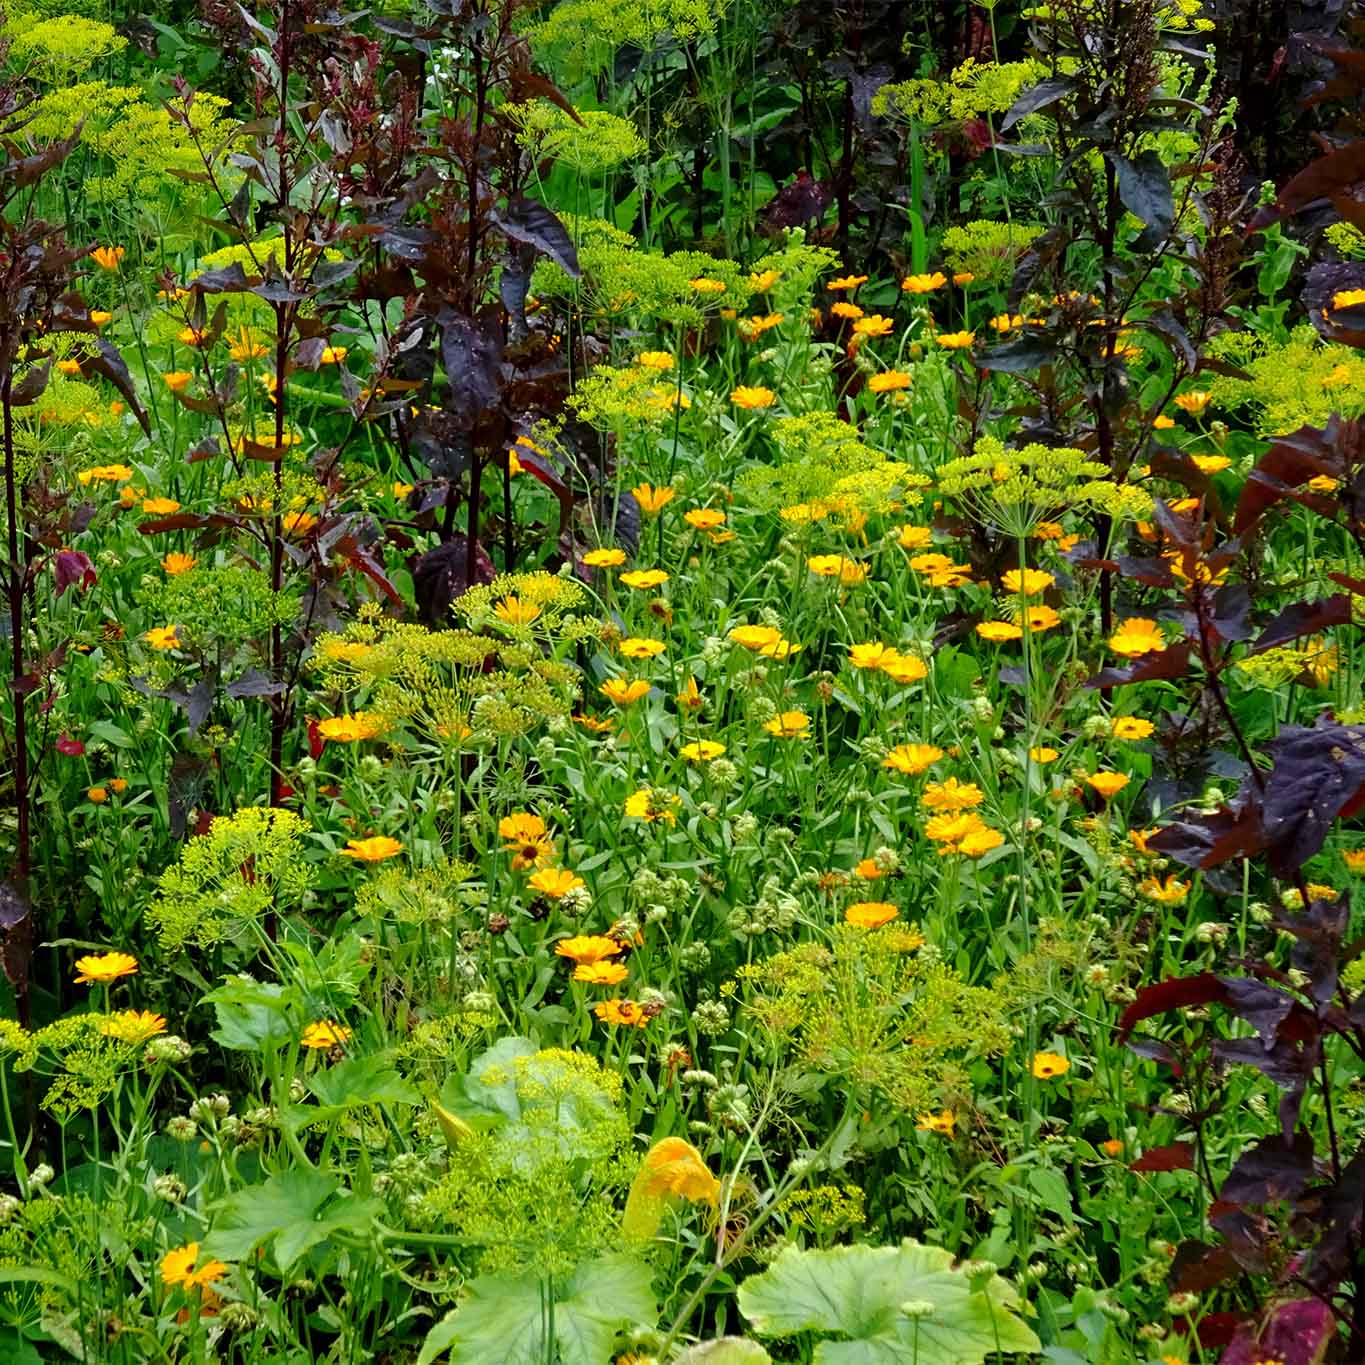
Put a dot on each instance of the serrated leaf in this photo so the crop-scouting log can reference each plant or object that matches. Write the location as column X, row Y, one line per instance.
column 256, row 1215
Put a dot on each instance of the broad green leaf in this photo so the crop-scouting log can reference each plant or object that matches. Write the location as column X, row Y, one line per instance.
column 255, row 1215
column 361, row 1081
column 486, row 1096
column 351, row 1214
column 726, row 1351
column 860, row 1293
column 251, row 1014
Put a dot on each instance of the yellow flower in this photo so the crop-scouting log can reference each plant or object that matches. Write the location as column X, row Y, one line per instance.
column 133, row 1026
column 998, row 631
column 162, row 637
column 107, row 257
column 525, row 837
column 761, row 281
column 601, row 973
column 1354, row 858
column 954, row 341
column 105, row 473
column 888, row 381
column 652, row 500
column 704, row 518
column 1047, row 1066
column 873, row 326
column 963, row 278
column 191, row 336
column 1324, row 483
column 650, row 805
column 788, row 724
column 1044, row 754
column 1348, row 298
column 177, row 380
column 298, row 523
column 952, row 795
column 1170, row 892
column 99, row 317
column 924, row 284
column 690, row 697
column 780, row 649
column 595, row 726
column 868, row 655
column 1041, row 618
column 837, row 566
column 627, row 1013
column 1162, row 423
column 177, row 563
column 1210, row 464
column 102, row 968
column 912, row 758
column 914, row 537
column 554, row 882
column 375, row 849
column 1006, row 322
column 1318, row 892
column 655, row 360
column 977, row 842
column 1028, row 582
column 1131, row 727
column 514, row 612
column 400, row 489
column 937, row 1123
column 99, row 795
column 1193, row 402
column 351, row 729
column 623, row 692
column 324, row 1033
column 940, row 571
column 332, row 355
column 702, row 750
column 1109, row 785
column 952, row 829
column 755, row 637
column 644, row 578
column 752, row 398
column 870, row 914
column 845, row 283
column 606, row 559
column 903, row 668
column 702, row 285
column 118, row 786
column 160, row 507
column 845, row 309
column 588, row 948
column 177, row 1267
column 246, row 347
column 1137, row 635
column 640, row 647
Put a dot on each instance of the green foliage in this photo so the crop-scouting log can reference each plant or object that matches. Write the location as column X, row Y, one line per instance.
column 974, row 89
column 60, row 48
column 987, row 251
column 220, row 603
column 581, row 36
column 594, row 142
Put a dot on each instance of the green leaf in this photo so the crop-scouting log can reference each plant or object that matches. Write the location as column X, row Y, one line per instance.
column 17, row 1351
column 504, row 1317
column 860, row 1293
column 726, row 1351
column 251, row 1014
column 363, row 1080
column 258, row 1213
column 486, row 1096
column 351, row 1214
column 111, row 734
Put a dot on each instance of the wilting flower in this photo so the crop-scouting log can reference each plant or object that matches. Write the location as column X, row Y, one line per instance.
column 788, row 724
column 133, row 1026
column 1131, row 727
column 640, row 647
column 1170, row 892
column 650, row 804
column 375, row 849
column 324, row 1033
column 177, row 563
column 912, row 758
column 1027, row 582
column 1109, row 785
column 752, row 398
column 937, row 1123
column 702, row 750
column 870, row 914
column 1135, row 636
column 588, row 948
column 652, row 500
column 178, row 1268
column 671, row 1170
column 1047, row 1066
column 554, row 882
column 102, row 968
column 690, row 698
column 644, row 579
column 924, row 284
column 622, row 691
column 350, row 729
column 606, row 559
column 627, row 1013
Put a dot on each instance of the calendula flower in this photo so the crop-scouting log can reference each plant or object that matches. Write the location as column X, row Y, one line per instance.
column 1135, row 636
column 788, row 724
column 588, row 948
column 937, row 1123
column 868, row 655
column 652, row 500
column 101, row 968
column 977, row 842
column 755, row 637
column 1028, row 582
column 837, row 566
column 912, row 758
column 702, row 750
column 640, row 647
column 952, row 795
column 107, row 257
column 752, row 398
column 1041, row 618
column 1170, row 892
column 999, row 631
column 1324, row 483
column 703, row 285
column 655, row 360
column 1354, row 858
column 845, row 283
column 924, row 284
column 605, row 559
column 601, row 973
column 98, row 795
column 846, row 310
column 1193, row 402
column 324, row 1033
column 625, row 1013
column 705, row 518
column 870, row 914
column 874, row 325
column 177, row 380
column 1131, row 727
column 903, row 668
column 105, row 473
column 1006, row 322
column 914, row 537
column 1162, row 423
column 888, row 381
column 333, row 355
column 650, row 805
column 1047, row 1066
column 940, row 571
column 525, row 837
column 400, row 490
column 690, row 698
column 375, row 849
column 178, row 1266
column 554, row 882
column 177, row 563
column 298, row 523
column 1210, row 464
column 162, row 637
column 351, row 729
column 1109, row 785
column 514, row 612
column 780, row 649
column 623, row 691
column 954, row 341
column 133, row 1026
column 192, row 336
column 753, row 328
column 594, row 725
column 1044, row 754
column 643, row 579
column 246, row 347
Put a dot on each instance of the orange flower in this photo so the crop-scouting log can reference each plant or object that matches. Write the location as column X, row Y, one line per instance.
column 1137, row 635
column 752, row 398
column 351, row 729
column 954, row 341
column 606, row 559
column 1047, row 1066
column 554, row 882
column 584, row 949
column 1109, row 785
column 924, row 284
column 788, row 724
column 102, row 968
column 912, row 758
column 627, row 1013
column 952, row 795
column 107, row 257
column 375, row 849
column 177, row 563
column 623, row 692
column 325, row 1033
column 177, row 1267
column 846, row 283
column 870, row 914
column 888, row 381
column 652, row 500
column 704, row 518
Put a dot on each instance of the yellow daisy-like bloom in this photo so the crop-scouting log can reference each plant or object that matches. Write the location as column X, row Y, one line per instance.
column 651, row 805
column 1193, row 402
column 788, row 724
column 937, row 1123
column 594, row 725
column 1131, row 727
column 952, row 795
column 952, row 829
column 954, row 341
column 588, row 948
column 752, row 398
column 837, row 566
column 1324, row 483
column 351, row 729
column 601, row 973
column 515, row 612
column 1006, row 322
column 1047, row 1066
column 1044, row 754
column 644, row 579
column 101, row 968
column 999, row 631
column 845, row 283
column 868, row 870
column 780, row 649
column 924, row 284
column 940, row 571
column 763, row 280
column 640, row 647
column 133, row 1026
column 903, row 668
column 554, row 882
column 868, row 655
column 1163, row 423
column 99, row 795
column 705, row 518
column 979, row 841
column 870, row 914
column 846, row 310
column 1041, row 618
column 963, row 278
column 177, row 563
column 333, row 355
column 655, row 360
column 1028, row 582
column 400, row 490
column 690, row 698
column 702, row 750
column 888, row 381
column 652, row 500
column 1354, row 858
column 623, row 691
column 1109, row 785
column 1210, row 464
column 191, row 336
column 162, row 637
column 178, row 1266
column 703, row 285
column 375, row 849
column 298, row 523
column 874, row 325
column 1135, row 636
column 605, row 559
column 626, row 1013
column 912, row 758
column 177, row 380
column 324, row 1033
column 105, row 473
column 1170, row 892
column 755, row 637
column 914, row 537
column 107, row 257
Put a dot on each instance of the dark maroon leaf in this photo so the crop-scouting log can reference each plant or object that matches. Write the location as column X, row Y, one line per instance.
column 1198, row 1267
column 1178, row 993
column 534, row 225
column 1304, row 618
column 471, row 356
column 1318, row 933
column 803, row 201
column 1299, row 1332
column 199, row 705
column 363, row 558
column 254, row 683
column 1261, row 1005
column 16, row 919
column 108, row 362
column 440, row 576
column 28, row 170
column 230, row 279
column 1173, row 662
column 1144, row 185
column 1037, row 97
column 1329, row 175
column 1175, row 1156
column 30, row 388
column 71, row 568
column 1271, row 1171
